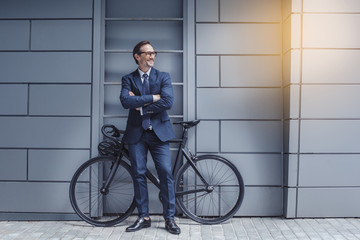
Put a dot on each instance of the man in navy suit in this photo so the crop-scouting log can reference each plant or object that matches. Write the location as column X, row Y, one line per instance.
column 148, row 93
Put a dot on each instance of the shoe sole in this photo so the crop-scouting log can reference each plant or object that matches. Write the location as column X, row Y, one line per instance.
column 177, row 233
column 146, row 226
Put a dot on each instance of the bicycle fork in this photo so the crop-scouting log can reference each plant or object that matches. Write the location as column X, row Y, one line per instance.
column 105, row 188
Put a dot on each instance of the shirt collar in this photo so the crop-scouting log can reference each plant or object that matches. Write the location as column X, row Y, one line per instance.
column 142, row 73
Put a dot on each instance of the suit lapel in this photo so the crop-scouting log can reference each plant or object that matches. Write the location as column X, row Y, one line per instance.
column 137, row 80
column 152, row 79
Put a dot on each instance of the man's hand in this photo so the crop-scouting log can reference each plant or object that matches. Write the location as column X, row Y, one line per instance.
column 156, row 97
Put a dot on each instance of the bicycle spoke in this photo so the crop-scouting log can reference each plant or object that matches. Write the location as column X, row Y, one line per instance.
column 218, row 171
column 195, row 197
column 110, row 205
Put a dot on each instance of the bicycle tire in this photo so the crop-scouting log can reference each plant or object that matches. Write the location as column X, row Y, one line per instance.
column 222, row 202
column 94, row 207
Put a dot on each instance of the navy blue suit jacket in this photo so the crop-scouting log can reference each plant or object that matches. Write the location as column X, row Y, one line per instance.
column 160, row 83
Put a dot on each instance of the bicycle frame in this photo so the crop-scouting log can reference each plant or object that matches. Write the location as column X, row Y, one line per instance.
column 178, row 163
column 113, row 168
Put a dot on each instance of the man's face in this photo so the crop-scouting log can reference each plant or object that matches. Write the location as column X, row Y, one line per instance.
column 145, row 61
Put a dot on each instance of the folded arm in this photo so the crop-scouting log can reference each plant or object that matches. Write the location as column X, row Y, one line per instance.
column 129, row 100
column 166, row 98
column 149, row 103
column 156, row 98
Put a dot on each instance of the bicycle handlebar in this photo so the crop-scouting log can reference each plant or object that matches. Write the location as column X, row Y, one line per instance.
column 188, row 124
column 111, row 131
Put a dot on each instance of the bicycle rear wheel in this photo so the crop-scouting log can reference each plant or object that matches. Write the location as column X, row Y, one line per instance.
column 97, row 207
column 219, row 202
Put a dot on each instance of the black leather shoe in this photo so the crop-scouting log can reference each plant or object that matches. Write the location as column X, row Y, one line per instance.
column 171, row 226
column 140, row 223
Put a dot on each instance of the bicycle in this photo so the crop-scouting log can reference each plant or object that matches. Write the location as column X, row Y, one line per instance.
column 208, row 188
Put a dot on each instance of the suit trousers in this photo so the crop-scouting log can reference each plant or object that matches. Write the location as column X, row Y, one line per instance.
column 160, row 152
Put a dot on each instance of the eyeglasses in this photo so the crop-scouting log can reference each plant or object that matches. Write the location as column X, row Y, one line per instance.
column 153, row 54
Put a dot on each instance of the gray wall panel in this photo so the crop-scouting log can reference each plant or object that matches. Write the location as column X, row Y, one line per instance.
column 291, row 136
column 291, row 67
column 290, row 195
column 286, row 6
column 331, row 6
column 208, row 71
column 35, row 197
column 286, row 68
column 207, row 136
column 330, row 101
column 45, row 67
column 250, row 165
column 260, row 39
column 43, row 132
column 291, row 95
column 178, row 106
column 13, row 164
column 331, row 31
column 336, row 170
column 46, row 9
column 261, row 201
column 330, row 136
column 290, row 172
column 207, row 10
column 255, row 71
column 295, row 37
column 251, row 136
column 60, row 100
column 286, row 37
column 250, row 11
column 112, row 105
column 14, row 35
column 163, row 35
column 117, row 65
column 55, row 165
column 336, row 68
column 239, row 103
column 13, row 99
column 171, row 63
column 142, row 9
column 328, row 202
column 61, row 35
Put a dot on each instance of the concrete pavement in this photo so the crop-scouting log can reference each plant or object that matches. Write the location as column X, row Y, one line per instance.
column 236, row 228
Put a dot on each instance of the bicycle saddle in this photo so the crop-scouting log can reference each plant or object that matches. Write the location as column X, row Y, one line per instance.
column 188, row 124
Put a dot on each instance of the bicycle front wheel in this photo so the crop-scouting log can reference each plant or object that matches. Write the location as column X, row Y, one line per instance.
column 96, row 205
column 217, row 202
